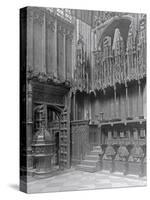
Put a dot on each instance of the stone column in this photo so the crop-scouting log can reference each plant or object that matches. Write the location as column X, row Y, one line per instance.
column 73, row 55
column 140, row 103
column 55, row 50
column 44, row 44
column 29, row 39
column 68, row 126
column 64, row 55
column 127, row 101
column 74, row 106
column 39, row 40
column 92, row 60
column 115, row 98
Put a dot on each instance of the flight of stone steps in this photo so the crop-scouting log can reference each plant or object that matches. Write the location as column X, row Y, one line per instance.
column 91, row 161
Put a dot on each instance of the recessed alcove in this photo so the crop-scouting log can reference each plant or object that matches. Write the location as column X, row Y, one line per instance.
column 122, row 23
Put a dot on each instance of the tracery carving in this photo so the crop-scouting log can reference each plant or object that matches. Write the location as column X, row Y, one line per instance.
column 109, row 153
column 122, row 153
column 136, row 154
column 126, row 59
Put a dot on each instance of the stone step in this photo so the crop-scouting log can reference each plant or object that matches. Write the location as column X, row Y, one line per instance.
column 89, row 162
column 86, row 168
column 94, row 152
column 96, row 148
column 92, row 157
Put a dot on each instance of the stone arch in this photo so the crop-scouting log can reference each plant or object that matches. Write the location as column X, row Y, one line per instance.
column 123, row 23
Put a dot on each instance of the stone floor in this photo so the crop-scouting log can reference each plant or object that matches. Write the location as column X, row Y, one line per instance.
column 78, row 180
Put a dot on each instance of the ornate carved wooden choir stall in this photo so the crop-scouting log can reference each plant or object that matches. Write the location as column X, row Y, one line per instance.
column 85, row 90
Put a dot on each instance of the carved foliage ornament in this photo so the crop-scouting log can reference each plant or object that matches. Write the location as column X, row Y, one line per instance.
column 122, row 151
column 110, row 151
column 44, row 77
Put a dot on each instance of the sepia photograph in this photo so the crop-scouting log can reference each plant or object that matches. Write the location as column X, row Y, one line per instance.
column 83, row 88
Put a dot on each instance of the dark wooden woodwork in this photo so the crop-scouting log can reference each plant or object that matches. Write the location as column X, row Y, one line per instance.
column 29, row 124
column 80, row 140
column 94, row 136
column 65, row 135
column 23, row 83
column 127, row 126
column 48, row 93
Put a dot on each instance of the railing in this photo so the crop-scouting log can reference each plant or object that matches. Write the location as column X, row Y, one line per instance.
column 125, row 141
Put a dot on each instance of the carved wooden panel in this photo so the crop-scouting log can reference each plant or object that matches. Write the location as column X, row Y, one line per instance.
column 80, row 140
column 48, row 93
column 94, row 136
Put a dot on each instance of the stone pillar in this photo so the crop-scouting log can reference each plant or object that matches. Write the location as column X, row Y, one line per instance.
column 29, row 39
column 74, row 106
column 39, row 40
column 64, row 55
column 70, row 54
column 44, row 44
column 140, row 103
column 68, row 127
column 55, row 50
column 115, row 98
column 92, row 60
column 73, row 55
column 127, row 101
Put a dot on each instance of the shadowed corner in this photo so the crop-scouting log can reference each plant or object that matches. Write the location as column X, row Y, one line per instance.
column 14, row 186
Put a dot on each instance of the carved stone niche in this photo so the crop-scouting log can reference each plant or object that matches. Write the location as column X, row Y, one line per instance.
column 51, row 22
column 61, row 29
column 69, row 34
column 38, row 15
